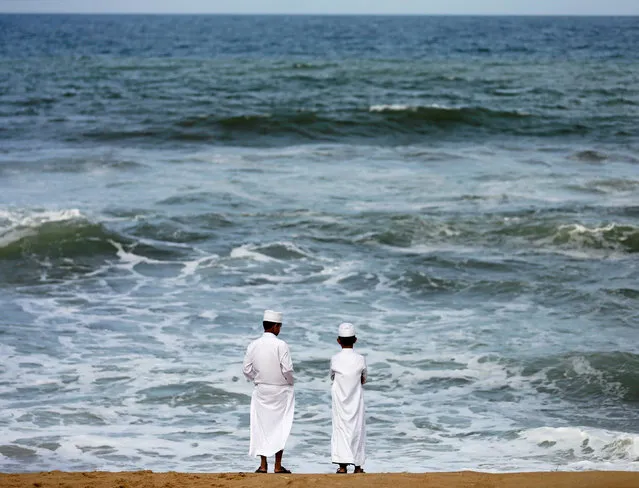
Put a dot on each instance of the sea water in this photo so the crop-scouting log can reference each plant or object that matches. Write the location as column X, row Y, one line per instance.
column 465, row 190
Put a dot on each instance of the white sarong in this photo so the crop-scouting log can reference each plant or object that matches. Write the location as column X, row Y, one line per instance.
column 348, row 441
column 272, row 409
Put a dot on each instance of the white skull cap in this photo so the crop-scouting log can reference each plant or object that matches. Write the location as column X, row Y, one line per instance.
column 271, row 316
column 346, row 329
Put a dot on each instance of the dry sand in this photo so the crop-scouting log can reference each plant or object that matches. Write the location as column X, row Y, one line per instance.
column 465, row 479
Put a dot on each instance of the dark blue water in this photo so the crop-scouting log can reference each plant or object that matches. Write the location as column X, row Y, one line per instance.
column 286, row 80
column 465, row 190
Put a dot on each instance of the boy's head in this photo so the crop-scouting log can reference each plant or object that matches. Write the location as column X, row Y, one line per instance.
column 272, row 321
column 346, row 335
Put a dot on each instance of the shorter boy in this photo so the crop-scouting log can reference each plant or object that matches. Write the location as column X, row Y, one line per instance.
column 348, row 373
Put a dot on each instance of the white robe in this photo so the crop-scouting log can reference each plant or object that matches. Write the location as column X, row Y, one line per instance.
column 268, row 364
column 348, row 441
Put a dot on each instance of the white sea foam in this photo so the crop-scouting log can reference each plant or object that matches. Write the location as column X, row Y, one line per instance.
column 135, row 361
column 586, row 444
column 584, row 235
column 397, row 107
column 34, row 218
column 247, row 252
column 162, row 436
column 18, row 224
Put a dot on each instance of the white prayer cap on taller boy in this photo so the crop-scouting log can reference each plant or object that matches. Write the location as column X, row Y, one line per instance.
column 271, row 316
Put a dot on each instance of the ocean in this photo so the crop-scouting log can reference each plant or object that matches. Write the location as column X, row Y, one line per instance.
column 465, row 190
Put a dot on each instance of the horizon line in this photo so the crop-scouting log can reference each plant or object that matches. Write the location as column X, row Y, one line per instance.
column 325, row 14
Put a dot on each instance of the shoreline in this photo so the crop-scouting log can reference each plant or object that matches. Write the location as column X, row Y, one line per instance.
column 461, row 479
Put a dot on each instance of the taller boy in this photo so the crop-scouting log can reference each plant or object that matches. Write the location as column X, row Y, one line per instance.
column 348, row 372
column 268, row 364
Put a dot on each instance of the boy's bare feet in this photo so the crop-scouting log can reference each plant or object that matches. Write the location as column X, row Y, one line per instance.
column 342, row 469
column 359, row 469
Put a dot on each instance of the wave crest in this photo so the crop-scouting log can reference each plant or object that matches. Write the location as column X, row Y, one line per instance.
column 67, row 236
column 383, row 122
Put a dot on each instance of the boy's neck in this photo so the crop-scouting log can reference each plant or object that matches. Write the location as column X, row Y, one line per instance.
column 347, row 347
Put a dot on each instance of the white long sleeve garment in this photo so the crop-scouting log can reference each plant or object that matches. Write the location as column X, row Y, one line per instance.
column 268, row 361
column 268, row 364
column 348, row 440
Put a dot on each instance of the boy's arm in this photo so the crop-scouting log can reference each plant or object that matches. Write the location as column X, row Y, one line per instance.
column 286, row 365
column 364, row 373
column 247, row 366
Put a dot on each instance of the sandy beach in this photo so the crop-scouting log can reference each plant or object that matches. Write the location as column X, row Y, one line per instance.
column 464, row 479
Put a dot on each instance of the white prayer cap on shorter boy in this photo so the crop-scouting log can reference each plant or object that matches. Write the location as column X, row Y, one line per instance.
column 346, row 330
column 271, row 316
